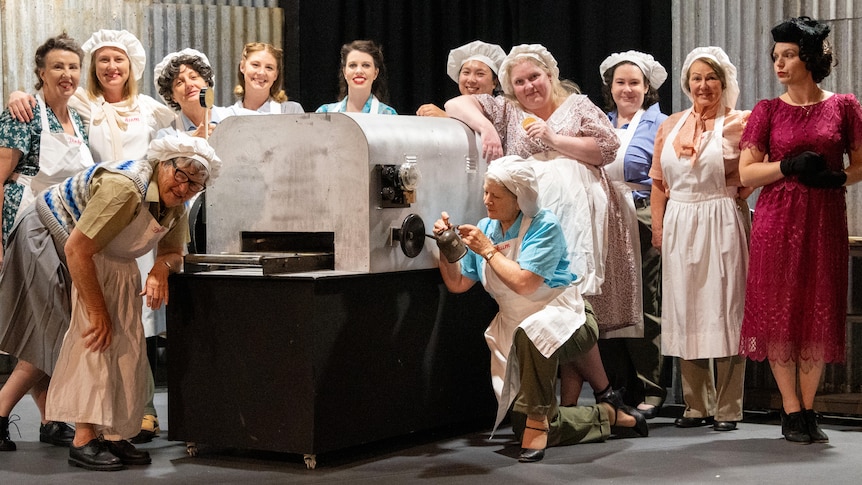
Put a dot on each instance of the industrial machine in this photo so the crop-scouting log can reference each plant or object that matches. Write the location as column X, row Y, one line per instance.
column 316, row 318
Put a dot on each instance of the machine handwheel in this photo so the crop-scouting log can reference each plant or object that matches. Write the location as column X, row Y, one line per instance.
column 412, row 235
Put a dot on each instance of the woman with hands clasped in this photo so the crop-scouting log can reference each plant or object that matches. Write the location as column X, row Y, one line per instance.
column 794, row 146
column 632, row 355
column 519, row 255
column 699, row 218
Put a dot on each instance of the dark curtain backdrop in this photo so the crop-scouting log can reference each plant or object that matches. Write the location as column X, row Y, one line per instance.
column 417, row 35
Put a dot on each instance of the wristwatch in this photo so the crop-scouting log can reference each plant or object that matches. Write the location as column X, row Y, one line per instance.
column 490, row 254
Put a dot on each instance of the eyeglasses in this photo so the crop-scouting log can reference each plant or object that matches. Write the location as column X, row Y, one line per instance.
column 183, row 178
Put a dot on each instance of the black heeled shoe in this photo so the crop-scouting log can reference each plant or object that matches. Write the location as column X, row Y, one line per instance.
column 812, row 424
column 649, row 413
column 793, row 427
column 530, row 455
column 615, row 399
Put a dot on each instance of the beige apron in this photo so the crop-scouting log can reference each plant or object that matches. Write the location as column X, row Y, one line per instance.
column 704, row 252
column 616, row 175
column 108, row 388
column 549, row 317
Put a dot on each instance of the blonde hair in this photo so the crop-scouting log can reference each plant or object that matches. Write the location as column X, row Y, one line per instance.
column 560, row 89
column 275, row 91
column 94, row 86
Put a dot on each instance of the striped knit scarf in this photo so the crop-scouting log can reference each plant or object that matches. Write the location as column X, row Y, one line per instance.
column 61, row 205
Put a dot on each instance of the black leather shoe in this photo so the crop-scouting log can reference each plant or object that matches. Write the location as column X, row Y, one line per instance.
column 693, row 422
column 649, row 413
column 793, row 428
column 614, row 397
column 56, row 433
column 94, row 456
column 641, row 427
column 6, row 443
column 812, row 424
column 128, row 454
column 529, row 455
column 724, row 425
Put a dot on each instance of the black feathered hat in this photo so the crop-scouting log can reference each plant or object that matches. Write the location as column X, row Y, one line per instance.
column 800, row 30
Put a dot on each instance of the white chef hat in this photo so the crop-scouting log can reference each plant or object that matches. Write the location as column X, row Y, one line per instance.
column 518, row 176
column 717, row 54
column 655, row 73
column 183, row 145
column 123, row 40
column 534, row 51
column 491, row 55
column 163, row 64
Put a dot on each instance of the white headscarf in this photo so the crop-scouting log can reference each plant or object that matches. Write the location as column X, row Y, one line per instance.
column 519, row 177
column 533, row 51
column 655, row 73
column 491, row 55
column 182, row 145
column 123, row 40
column 731, row 90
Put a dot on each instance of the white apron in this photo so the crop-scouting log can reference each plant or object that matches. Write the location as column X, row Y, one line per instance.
column 108, row 388
column 119, row 134
column 60, row 156
column 704, row 253
column 616, row 175
column 573, row 192
column 549, row 317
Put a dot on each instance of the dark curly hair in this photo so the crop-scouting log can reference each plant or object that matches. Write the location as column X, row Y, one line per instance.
column 60, row 42
column 650, row 97
column 818, row 59
column 379, row 88
column 172, row 70
column 814, row 49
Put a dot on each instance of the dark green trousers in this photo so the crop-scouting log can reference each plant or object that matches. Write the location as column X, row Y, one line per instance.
column 568, row 425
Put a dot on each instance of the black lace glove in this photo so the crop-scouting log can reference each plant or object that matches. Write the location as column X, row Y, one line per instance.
column 805, row 162
column 824, row 179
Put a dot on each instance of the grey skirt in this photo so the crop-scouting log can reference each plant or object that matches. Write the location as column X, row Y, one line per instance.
column 35, row 294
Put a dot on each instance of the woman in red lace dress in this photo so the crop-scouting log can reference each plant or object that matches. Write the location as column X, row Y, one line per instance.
column 794, row 147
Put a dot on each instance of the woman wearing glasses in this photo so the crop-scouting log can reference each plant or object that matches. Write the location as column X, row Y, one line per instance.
column 85, row 234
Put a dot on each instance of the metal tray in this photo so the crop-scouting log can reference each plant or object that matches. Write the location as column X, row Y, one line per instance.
column 270, row 263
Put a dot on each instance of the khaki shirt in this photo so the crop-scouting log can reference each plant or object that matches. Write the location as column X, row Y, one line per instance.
column 114, row 204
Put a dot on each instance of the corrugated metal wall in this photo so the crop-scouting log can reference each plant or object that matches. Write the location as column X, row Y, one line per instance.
column 218, row 28
column 742, row 29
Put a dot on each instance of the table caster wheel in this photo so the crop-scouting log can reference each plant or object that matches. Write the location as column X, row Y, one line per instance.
column 310, row 461
column 191, row 448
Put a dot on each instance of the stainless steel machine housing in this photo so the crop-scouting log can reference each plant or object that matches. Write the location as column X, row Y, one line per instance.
column 320, row 173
